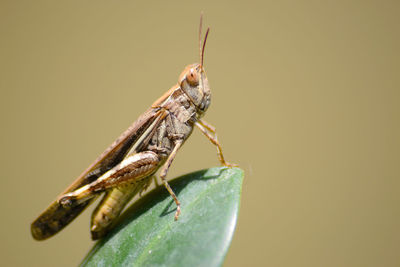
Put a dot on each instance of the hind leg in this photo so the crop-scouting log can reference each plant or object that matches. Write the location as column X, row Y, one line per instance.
column 131, row 170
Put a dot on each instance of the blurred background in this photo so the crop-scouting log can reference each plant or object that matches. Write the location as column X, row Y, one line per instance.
column 305, row 99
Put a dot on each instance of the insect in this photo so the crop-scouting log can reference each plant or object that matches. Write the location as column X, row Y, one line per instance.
column 128, row 166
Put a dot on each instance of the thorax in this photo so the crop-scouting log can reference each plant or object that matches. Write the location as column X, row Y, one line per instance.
column 177, row 124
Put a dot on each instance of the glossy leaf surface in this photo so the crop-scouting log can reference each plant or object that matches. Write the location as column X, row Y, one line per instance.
column 147, row 235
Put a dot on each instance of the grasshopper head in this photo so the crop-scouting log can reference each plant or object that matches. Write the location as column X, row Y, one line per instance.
column 193, row 80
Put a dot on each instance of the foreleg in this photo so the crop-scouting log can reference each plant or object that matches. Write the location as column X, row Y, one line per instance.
column 206, row 128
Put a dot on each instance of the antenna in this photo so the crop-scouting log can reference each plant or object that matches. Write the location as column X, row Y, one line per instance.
column 201, row 47
column 200, row 28
column 204, row 45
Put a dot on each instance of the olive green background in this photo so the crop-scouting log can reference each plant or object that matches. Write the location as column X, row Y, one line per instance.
column 305, row 99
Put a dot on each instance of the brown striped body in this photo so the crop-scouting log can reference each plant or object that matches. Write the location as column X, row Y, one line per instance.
column 126, row 168
column 178, row 123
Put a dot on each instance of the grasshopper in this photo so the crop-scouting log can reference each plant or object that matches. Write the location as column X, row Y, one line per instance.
column 128, row 166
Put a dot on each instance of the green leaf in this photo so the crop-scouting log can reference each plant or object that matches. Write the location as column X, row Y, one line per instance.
column 148, row 235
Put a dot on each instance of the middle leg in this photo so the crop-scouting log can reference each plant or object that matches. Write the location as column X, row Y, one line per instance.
column 163, row 175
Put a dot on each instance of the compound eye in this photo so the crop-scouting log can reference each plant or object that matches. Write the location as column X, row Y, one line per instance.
column 192, row 77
